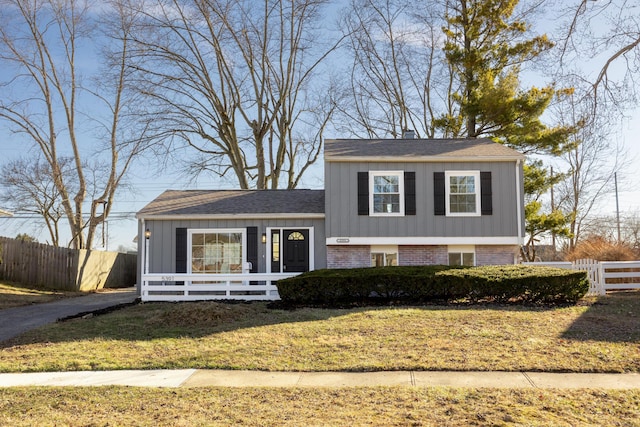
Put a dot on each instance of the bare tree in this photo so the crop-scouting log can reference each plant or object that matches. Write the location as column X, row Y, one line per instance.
column 28, row 187
column 231, row 79
column 398, row 78
column 632, row 231
column 56, row 97
column 590, row 166
column 607, row 35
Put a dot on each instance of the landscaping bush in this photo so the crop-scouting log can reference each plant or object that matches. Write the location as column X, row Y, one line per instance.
column 602, row 249
column 503, row 283
column 424, row 283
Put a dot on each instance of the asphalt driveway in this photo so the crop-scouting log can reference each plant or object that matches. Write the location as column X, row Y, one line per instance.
column 17, row 320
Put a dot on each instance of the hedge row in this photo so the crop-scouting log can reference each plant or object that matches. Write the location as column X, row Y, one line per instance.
column 423, row 283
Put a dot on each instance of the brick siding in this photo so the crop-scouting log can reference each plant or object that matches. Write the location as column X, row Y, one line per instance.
column 348, row 256
column 422, row 255
column 360, row 255
column 495, row 255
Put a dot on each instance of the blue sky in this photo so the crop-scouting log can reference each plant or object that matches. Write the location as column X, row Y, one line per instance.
column 150, row 177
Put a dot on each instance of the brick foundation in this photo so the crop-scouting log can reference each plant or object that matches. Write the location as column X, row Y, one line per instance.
column 360, row 256
column 495, row 255
column 422, row 255
column 348, row 256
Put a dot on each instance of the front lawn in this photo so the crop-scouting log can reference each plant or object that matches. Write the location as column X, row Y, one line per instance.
column 595, row 336
column 388, row 406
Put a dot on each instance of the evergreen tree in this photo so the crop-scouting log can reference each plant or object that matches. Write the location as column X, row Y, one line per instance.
column 486, row 48
column 537, row 181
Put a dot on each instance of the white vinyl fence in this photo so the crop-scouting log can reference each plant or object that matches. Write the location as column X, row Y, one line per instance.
column 603, row 275
column 196, row 287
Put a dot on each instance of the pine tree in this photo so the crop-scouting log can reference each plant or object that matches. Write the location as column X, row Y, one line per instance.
column 486, row 48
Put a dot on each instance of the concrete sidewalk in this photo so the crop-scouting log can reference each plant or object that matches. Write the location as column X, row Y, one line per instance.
column 223, row 378
column 15, row 321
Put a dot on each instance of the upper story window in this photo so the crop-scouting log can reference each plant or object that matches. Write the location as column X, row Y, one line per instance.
column 386, row 195
column 462, row 193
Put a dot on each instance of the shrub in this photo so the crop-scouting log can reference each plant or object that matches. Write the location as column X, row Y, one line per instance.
column 602, row 249
column 424, row 283
column 523, row 283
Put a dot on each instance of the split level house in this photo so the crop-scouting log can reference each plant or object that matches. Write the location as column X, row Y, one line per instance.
column 385, row 202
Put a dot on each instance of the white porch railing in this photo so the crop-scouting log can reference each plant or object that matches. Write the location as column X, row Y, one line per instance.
column 603, row 276
column 197, row 287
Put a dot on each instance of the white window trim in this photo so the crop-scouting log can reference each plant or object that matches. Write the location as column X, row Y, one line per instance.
column 476, row 175
column 400, row 175
column 462, row 249
column 192, row 231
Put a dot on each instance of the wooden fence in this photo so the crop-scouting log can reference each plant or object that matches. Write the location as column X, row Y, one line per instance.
column 603, row 275
column 50, row 267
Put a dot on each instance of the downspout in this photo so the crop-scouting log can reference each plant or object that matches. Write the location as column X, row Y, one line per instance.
column 518, row 204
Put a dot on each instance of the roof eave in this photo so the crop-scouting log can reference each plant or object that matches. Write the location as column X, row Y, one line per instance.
column 424, row 159
column 241, row 216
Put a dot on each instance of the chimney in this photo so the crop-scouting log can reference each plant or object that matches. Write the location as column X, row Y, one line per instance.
column 408, row 134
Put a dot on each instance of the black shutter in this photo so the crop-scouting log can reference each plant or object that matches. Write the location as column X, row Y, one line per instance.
column 486, row 203
column 181, row 250
column 363, row 193
column 439, row 194
column 252, row 248
column 409, row 193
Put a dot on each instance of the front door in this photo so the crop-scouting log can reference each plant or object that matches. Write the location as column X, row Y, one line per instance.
column 295, row 251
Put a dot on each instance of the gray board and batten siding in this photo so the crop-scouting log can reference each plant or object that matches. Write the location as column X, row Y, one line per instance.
column 229, row 209
column 344, row 159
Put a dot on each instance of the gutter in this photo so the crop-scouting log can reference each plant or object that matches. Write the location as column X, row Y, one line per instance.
column 243, row 216
column 419, row 159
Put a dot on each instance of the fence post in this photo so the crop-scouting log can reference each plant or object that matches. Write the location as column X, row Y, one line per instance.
column 601, row 280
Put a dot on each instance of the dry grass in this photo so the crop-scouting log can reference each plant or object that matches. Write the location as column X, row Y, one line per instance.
column 15, row 295
column 596, row 336
column 602, row 249
column 125, row 406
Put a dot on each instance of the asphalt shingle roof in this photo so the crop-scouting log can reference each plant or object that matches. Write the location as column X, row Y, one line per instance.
column 405, row 149
column 234, row 202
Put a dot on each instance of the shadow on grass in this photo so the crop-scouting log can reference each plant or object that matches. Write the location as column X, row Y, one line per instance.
column 166, row 320
column 158, row 320
column 611, row 318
